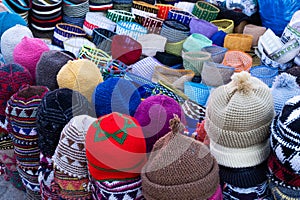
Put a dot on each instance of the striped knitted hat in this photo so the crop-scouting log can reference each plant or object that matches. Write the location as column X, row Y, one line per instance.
column 115, row 148
column 57, row 108
column 48, row 67
column 285, row 129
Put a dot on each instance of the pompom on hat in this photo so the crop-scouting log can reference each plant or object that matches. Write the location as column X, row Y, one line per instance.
column 115, row 148
column 180, row 167
column 116, row 95
column 154, row 114
column 81, row 75
column 48, row 67
column 28, row 52
column 10, row 38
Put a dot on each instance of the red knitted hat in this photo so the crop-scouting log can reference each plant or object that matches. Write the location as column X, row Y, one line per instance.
column 115, row 148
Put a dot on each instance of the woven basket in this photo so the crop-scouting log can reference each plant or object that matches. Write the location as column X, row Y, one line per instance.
column 131, row 29
column 153, row 24
column 196, row 42
column 102, row 38
column 217, row 53
column 265, row 73
column 241, row 61
column 164, row 10
column 240, row 42
column 174, row 77
column 225, row 25
column 206, row 11
column 174, row 31
column 74, row 44
column 64, row 31
column 141, row 10
column 99, row 57
column 197, row 92
column 183, row 17
column 194, row 61
column 174, row 48
column 120, row 15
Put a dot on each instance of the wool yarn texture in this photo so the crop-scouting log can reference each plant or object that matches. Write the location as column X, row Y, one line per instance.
column 116, row 95
column 8, row 43
column 115, row 148
column 81, row 75
column 154, row 114
column 48, row 67
column 168, row 174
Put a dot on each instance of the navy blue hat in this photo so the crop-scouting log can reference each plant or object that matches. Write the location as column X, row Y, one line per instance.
column 218, row 38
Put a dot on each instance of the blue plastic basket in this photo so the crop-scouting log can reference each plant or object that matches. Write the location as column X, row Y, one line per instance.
column 265, row 73
column 197, row 92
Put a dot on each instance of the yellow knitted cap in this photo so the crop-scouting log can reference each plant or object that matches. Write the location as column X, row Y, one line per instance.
column 80, row 75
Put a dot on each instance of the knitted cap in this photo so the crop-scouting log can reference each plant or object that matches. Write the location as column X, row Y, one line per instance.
column 81, row 75
column 116, row 95
column 10, row 38
column 57, row 108
column 151, row 43
column 238, row 114
column 48, row 67
column 28, row 52
column 295, row 71
column 115, row 148
column 154, row 114
column 285, row 129
column 13, row 76
column 284, row 87
column 179, row 167
column 69, row 156
column 8, row 20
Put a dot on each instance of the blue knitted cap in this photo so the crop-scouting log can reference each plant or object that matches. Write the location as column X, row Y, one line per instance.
column 116, row 95
column 218, row 38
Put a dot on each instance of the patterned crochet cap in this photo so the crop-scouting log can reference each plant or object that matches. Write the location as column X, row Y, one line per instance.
column 48, row 67
column 179, row 167
column 284, row 87
column 238, row 114
column 21, row 117
column 24, row 55
column 80, row 75
column 57, row 108
column 69, row 156
column 116, row 95
column 154, row 114
column 13, row 76
column 285, row 129
column 115, row 148
column 8, row 43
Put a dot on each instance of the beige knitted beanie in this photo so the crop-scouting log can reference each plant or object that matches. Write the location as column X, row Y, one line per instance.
column 238, row 114
column 80, row 75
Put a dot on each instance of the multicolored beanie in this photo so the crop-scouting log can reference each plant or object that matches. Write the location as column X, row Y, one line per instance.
column 48, row 67
column 81, row 75
column 180, row 167
column 116, row 95
column 8, row 43
column 115, row 148
column 24, row 55
column 154, row 114
column 70, row 164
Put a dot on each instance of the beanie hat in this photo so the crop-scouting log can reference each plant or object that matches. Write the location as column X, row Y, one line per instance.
column 48, row 67
column 10, row 38
column 279, row 191
column 115, row 148
column 151, row 43
column 57, row 108
column 244, row 177
column 295, row 71
column 120, row 189
column 154, row 114
column 13, row 76
column 255, row 31
column 284, row 87
column 8, row 20
column 238, row 114
column 218, row 38
column 285, row 130
column 28, row 52
column 145, row 67
column 21, row 116
column 116, row 95
column 29, row 179
column 69, row 157
column 179, row 167
column 80, row 75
